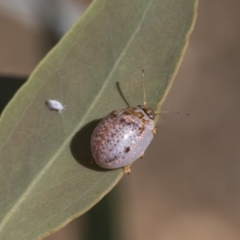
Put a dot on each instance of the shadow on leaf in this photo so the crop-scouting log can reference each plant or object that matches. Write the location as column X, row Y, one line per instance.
column 81, row 146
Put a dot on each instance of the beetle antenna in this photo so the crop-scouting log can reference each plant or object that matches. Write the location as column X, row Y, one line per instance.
column 144, row 89
column 178, row 112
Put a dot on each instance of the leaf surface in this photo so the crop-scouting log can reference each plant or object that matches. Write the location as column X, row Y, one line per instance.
column 45, row 175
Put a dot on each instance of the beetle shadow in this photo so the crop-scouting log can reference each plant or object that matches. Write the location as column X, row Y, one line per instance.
column 81, row 146
column 121, row 94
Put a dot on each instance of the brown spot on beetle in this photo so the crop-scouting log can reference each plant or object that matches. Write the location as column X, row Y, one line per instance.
column 127, row 149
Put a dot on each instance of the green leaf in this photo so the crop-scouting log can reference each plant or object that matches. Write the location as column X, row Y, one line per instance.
column 45, row 175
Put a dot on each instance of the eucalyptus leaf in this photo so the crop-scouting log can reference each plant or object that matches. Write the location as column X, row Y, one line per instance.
column 46, row 179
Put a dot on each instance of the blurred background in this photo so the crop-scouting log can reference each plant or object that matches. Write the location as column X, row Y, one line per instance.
column 188, row 185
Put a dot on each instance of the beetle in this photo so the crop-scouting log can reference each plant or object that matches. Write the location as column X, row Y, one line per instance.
column 123, row 136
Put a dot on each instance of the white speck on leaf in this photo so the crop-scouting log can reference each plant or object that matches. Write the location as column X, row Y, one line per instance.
column 55, row 105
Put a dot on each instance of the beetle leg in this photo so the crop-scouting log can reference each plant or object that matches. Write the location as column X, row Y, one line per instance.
column 155, row 131
column 92, row 160
column 142, row 156
column 127, row 169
